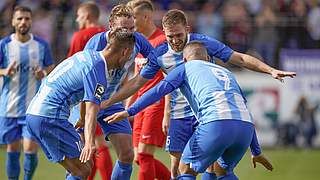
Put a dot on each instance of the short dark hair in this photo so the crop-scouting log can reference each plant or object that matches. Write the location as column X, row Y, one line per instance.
column 141, row 4
column 121, row 37
column 173, row 17
column 22, row 9
column 195, row 49
column 92, row 8
column 120, row 10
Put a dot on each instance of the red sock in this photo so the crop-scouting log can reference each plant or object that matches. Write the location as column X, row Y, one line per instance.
column 147, row 169
column 162, row 172
column 94, row 168
column 104, row 163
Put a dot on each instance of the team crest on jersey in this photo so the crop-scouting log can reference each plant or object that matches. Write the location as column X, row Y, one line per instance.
column 99, row 91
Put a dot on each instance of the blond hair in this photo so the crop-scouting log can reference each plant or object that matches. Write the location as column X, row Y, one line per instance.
column 120, row 10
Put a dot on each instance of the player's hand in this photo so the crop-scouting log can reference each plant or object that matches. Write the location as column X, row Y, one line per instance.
column 39, row 73
column 281, row 74
column 79, row 124
column 11, row 69
column 165, row 124
column 87, row 152
column 262, row 160
column 116, row 117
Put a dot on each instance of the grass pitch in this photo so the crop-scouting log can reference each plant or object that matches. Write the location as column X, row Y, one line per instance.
column 289, row 164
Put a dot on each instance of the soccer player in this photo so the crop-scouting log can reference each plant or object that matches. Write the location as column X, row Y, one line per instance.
column 119, row 134
column 87, row 18
column 24, row 60
column 83, row 77
column 147, row 125
column 225, row 128
column 168, row 56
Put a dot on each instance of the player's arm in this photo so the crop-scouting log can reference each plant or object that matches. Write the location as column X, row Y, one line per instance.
column 257, row 156
column 90, row 122
column 11, row 68
column 144, row 45
column 166, row 116
column 254, row 64
column 133, row 85
column 166, row 86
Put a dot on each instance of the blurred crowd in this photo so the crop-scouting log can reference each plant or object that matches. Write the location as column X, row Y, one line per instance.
column 258, row 27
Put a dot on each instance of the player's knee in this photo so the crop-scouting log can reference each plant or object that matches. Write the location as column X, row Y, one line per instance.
column 218, row 170
column 185, row 169
column 126, row 155
column 14, row 147
column 83, row 172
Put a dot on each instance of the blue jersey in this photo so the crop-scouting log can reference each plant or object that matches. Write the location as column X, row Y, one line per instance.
column 163, row 57
column 82, row 77
column 99, row 42
column 211, row 90
column 18, row 90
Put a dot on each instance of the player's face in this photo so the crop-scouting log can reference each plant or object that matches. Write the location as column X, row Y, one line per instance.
column 176, row 36
column 139, row 20
column 123, row 22
column 21, row 22
column 81, row 18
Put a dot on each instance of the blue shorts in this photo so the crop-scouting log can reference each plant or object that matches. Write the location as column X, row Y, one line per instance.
column 118, row 127
column 12, row 129
column 223, row 140
column 57, row 137
column 180, row 131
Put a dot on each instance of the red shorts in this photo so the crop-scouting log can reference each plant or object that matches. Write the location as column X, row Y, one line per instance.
column 147, row 125
column 98, row 130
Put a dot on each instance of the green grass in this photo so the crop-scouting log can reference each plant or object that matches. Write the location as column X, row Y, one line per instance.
column 289, row 164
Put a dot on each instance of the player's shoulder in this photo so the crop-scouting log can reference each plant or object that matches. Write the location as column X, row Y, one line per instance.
column 161, row 49
column 99, row 35
column 199, row 37
column 6, row 39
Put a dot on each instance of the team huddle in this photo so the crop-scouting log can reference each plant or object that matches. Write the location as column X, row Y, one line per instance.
column 179, row 98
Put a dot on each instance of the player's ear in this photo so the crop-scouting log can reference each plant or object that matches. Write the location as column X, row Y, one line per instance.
column 188, row 28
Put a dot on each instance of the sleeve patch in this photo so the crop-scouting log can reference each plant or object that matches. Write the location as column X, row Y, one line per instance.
column 99, row 91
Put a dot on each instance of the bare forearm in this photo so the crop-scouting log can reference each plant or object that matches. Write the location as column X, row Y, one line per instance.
column 90, row 122
column 250, row 62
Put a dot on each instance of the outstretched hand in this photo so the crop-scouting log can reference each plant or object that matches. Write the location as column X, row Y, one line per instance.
column 262, row 160
column 87, row 152
column 116, row 117
column 277, row 74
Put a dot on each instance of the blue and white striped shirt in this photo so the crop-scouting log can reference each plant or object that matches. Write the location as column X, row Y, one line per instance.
column 163, row 57
column 18, row 90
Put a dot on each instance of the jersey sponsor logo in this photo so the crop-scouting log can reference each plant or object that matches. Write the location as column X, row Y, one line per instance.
column 99, row 91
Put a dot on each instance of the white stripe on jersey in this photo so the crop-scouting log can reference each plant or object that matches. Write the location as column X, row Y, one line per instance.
column 242, row 107
column 221, row 105
column 14, row 55
column 34, row 50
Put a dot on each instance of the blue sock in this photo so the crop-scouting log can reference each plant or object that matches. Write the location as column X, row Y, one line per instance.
column 186, row 177
column 208, row 176
column 121, row 171
column 13, row 165
column 229, row 176
column 30, row 165
column 70, row 177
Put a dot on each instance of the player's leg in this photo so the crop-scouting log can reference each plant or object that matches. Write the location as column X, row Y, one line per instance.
column 60, row 142
column 30, row 149
column 151, row 138
column 11, row 134
column 209, row 174
column 94, row 168
column 242, row 137
column 103, row 160
column 179, row 133
column 120, row 137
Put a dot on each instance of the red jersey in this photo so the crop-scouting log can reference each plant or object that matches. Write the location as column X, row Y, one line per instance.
column 80, row 38
column 155, row 39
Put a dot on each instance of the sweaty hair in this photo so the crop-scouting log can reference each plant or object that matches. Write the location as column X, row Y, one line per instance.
column 22, row 9
column 120, row 10
column 141, row 4
column 173, row 17
column 122, row 38
column 195, row 50
column 91, row 8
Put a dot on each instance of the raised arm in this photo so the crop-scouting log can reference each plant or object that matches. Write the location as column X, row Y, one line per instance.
column 254, row 64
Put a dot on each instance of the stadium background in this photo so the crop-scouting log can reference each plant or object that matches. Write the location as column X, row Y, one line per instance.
column 285, row 33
